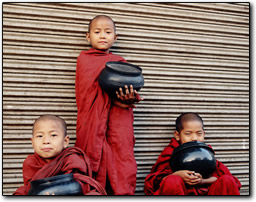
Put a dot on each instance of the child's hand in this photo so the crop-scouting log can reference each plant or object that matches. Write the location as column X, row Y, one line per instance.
column 130, row 97
column 189, row 177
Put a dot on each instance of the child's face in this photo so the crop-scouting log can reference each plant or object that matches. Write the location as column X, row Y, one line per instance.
column 102, row 34
column 192, row 131
column 49, row 139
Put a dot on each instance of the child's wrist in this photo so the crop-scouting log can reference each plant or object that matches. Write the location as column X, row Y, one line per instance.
column 121, row 104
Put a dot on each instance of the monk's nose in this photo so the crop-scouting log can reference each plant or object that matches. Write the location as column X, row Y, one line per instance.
column 46, row 140
column 102, row 35
column 194, row 137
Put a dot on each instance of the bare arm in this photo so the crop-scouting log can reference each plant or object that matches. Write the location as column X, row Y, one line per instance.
column 203, row 181
column 209, row 180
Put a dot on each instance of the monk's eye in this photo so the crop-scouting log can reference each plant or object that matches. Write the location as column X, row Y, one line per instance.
column 39, row 136
column 54, row 135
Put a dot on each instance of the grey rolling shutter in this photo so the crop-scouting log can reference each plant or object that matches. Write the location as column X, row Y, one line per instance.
column 194, row 56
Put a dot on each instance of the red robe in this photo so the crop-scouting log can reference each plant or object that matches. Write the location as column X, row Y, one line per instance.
column 70, row 160
column 104, row 131
column 174, row 185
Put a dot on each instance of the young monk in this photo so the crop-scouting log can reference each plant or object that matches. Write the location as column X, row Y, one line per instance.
column 52, row 157
column 104, row 124
column 162, row 181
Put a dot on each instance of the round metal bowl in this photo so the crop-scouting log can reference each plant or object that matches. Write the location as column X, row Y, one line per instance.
column 119, row 74
column 57, row 185
column 194, row 156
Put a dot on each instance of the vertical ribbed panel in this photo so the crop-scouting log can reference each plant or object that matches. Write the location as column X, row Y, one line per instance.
column 194, row 56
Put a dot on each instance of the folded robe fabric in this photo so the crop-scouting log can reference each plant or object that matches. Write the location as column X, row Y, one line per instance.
column 70, row 160
column 104, row 131
column 162, row 169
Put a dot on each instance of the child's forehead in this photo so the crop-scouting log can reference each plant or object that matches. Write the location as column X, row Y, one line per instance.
column 48, row 122
column 102, row 20
column 189, row 123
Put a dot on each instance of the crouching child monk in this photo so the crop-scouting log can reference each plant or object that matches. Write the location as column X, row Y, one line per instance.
column 162, row 181
column 52, row 157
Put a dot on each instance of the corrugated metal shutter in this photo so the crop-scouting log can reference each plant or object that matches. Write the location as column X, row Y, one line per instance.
column 195, row 57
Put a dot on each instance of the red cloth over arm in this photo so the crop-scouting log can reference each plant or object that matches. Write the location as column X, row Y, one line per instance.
column 160, row 169
column 31, row 165
column 221, row 169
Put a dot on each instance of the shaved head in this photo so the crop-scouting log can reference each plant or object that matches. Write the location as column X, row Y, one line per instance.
column 52, row 118
column 98, row 17
column 187, row 117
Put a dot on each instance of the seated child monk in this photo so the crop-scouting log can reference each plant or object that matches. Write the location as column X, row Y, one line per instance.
column 162, row 181
column 53, row 157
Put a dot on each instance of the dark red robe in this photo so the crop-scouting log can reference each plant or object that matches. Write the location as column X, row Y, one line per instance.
column 70, row 160
column 226, row 184
column 104, row 131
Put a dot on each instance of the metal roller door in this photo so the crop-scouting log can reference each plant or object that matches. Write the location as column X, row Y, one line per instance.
column 194, row 56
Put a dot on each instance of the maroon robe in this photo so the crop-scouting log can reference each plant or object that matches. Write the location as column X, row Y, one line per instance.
column 226, row 184
column 70, row 160
column 104, row 131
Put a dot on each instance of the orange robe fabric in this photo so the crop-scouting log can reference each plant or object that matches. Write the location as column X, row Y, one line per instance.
column 104, row 131
column 70, row 160
column 226, row 184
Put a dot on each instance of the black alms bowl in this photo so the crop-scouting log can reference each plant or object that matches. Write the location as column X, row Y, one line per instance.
column 57, row 185
column 119, row 74
column 194, row 156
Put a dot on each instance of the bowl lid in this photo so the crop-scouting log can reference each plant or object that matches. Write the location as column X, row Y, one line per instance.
column 123, row 67
column 189, row 145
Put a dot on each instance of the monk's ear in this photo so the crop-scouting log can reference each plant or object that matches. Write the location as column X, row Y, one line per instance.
column 203, row 133
column 88, row 37
column 32, row 142
column 176, row 135
column 31, row 139
column 116, row 36
column 66, row 141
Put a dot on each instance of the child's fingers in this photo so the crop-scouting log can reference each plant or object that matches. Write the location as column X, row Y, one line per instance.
column 189, row 172
column 121, row 92
column 126, row 90
column 195, row 181
column 198, row 175
column 131, row 91
column 117, row 95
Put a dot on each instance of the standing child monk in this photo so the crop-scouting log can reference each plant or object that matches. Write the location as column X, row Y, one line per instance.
column 162, row 181
column 53, row 157
column 105, row 125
